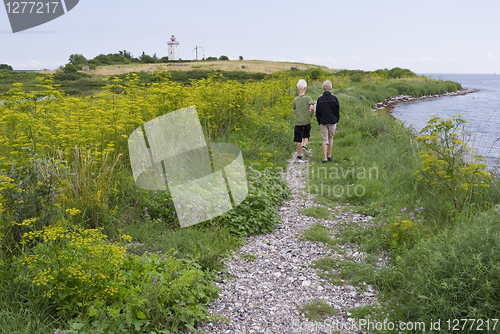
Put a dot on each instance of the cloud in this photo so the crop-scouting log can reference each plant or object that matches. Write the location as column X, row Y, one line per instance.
column 487, row 56
column 429, row 59
column 35, row 65
column 330, row 60
column 287, row 60
column 454, row 59
column 356, row 59
column 313, row 60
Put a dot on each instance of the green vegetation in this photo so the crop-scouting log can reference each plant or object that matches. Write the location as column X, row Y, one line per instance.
column 320, row 233
column 435, row 206
column 83, row 250
column 5, row 67
column 249, row 257
column 316, row 310
column 316, row 212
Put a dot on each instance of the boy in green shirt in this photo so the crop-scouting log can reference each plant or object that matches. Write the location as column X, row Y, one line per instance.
column 303, row 108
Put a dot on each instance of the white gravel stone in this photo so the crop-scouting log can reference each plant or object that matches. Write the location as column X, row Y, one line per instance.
column 263, row 295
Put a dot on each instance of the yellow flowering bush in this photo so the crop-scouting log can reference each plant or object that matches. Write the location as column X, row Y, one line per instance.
column 73, row 266
column 90, row 134
column 448, row 164
column 404, row 228
column 49, row 121
column 79, row 273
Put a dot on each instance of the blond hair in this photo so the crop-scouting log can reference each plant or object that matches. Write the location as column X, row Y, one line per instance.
column 327, row 85
column 302, row 84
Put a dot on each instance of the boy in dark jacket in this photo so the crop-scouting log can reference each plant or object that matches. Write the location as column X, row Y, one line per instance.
column 327, row 115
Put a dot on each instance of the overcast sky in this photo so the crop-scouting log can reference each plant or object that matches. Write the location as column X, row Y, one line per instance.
column 437, row 36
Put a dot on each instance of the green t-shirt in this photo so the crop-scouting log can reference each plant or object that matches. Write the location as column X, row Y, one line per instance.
column 301, row 104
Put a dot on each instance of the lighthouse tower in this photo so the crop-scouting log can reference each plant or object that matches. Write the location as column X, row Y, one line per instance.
column 173, row 49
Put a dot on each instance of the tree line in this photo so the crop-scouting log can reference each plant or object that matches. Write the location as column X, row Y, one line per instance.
column 123, row 57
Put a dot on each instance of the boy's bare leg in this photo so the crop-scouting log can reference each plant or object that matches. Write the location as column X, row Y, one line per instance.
column 324, row 151
column 305, row 141
column 299, row 149
column 330, row 147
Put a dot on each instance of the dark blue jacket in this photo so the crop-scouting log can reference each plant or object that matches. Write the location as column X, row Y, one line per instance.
column 327, row 109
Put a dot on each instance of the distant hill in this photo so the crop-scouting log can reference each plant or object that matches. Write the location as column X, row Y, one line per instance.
column 262, row 66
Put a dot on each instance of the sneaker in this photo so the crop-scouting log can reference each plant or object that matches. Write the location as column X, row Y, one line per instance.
column 304, row 147
column 325, row 161
column 299, row 157
column 329, row 158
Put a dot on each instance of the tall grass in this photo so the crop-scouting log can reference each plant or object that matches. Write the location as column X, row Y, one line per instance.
column 444, row 257
column 455, row 275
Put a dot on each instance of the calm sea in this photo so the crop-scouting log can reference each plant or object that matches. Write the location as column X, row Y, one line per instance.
column 481, row 110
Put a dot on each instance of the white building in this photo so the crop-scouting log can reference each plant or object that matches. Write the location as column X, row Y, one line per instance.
column 173, row 49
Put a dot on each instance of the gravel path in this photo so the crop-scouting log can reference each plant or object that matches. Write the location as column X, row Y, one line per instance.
column 264, row 294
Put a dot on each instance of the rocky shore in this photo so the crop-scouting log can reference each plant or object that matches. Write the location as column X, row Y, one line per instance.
column 389, row 104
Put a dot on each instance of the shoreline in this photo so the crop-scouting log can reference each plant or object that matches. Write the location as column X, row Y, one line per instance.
column 389, row 104
column 493, row 162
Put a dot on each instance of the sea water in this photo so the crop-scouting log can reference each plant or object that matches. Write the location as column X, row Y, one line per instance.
column 481, row 110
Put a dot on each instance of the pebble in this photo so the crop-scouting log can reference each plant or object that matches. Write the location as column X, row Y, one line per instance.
column 263, row 296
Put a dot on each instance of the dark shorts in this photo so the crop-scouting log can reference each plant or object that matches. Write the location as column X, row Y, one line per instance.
column 301, row 131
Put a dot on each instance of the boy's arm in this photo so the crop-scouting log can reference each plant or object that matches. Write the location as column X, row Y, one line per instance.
column 318, row 112
column 311, row 106
column 294, row 111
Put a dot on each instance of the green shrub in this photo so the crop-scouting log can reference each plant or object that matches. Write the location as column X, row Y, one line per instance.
column 70, row 68
column 73, row 76
column 77, row 272
column 316, row 73
column 398, row 72
column 258, row 212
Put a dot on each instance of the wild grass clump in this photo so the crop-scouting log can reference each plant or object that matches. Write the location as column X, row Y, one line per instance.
column 316, row 212
column 319, row 233
column 453, row 275
column 317, row 310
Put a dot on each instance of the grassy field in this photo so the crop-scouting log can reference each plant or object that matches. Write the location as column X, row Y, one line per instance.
column 260, row 66
column 65, row 214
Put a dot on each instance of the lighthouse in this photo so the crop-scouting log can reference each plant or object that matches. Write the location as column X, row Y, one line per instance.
column 173, row 49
